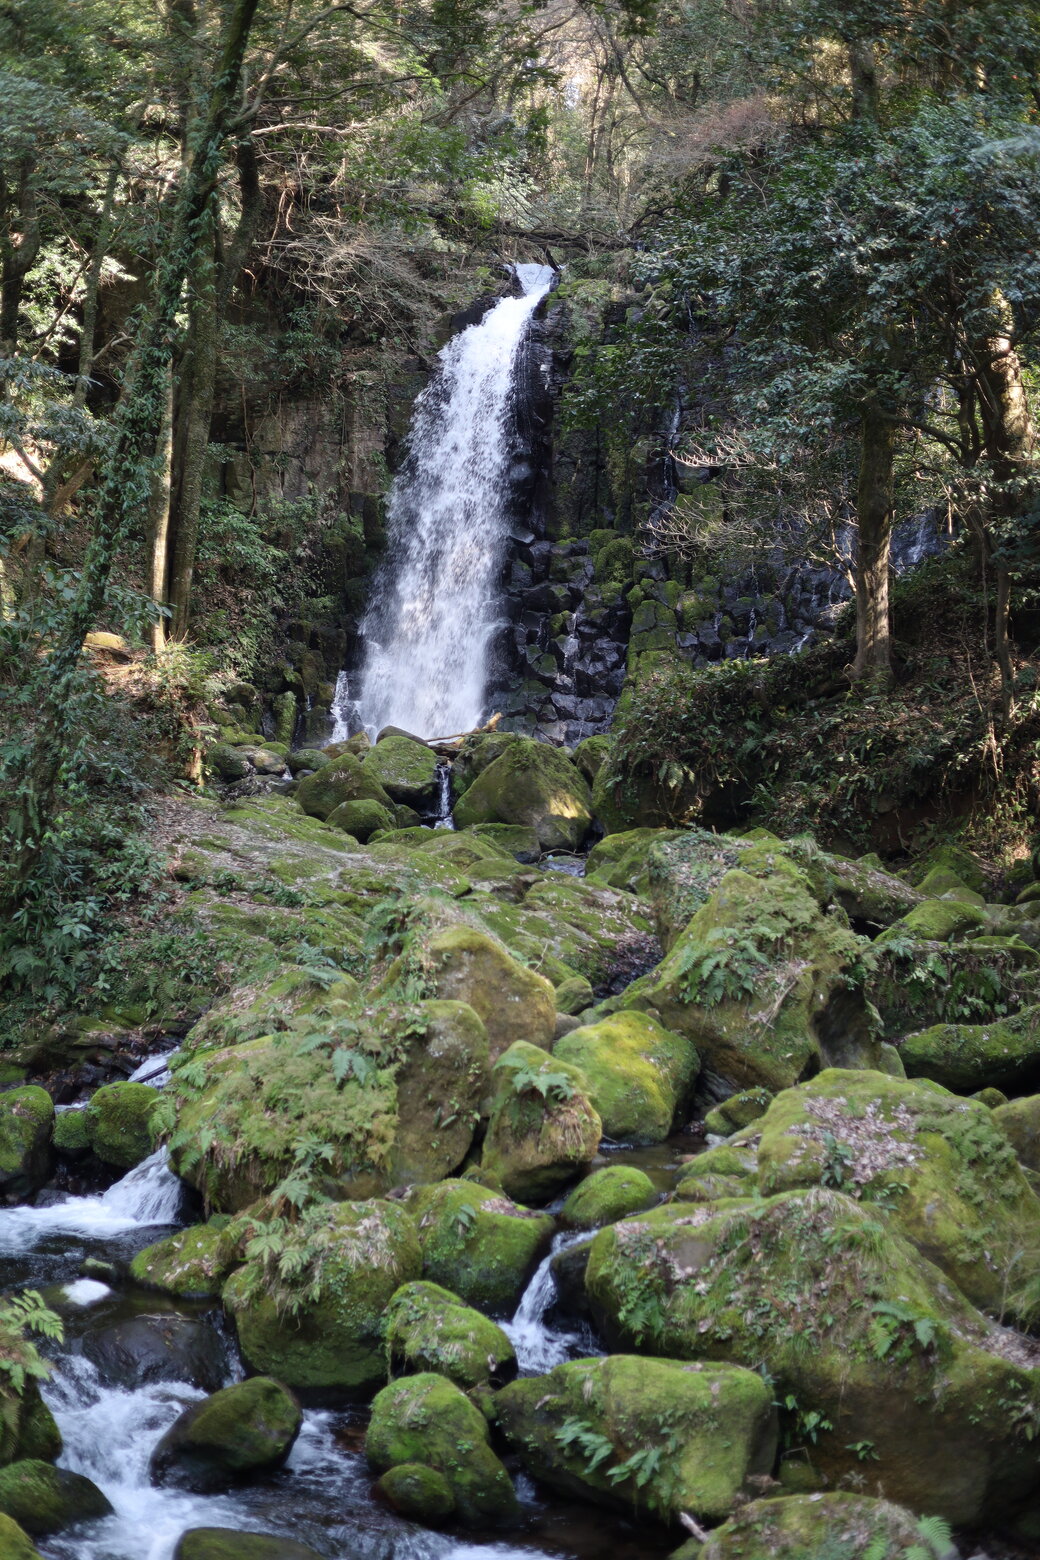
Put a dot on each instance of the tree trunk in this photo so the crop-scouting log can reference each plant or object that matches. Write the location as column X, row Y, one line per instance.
column 863, row 72
column 159, row 525
column 17, row 259
column 123, row 494
column 874, row 504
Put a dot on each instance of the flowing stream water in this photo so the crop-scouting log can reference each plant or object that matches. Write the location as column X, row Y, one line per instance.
column 434, row 607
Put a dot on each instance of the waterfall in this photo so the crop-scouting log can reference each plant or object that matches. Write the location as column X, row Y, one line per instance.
column 434, row 609
column 539, row 1347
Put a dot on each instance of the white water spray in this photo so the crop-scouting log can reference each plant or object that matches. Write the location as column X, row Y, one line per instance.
column 149, row 1194
column 429, row 625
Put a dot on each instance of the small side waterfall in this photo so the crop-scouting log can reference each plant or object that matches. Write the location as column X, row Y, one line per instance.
column 434, row 609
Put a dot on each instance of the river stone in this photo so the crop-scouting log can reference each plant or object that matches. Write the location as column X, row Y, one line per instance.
column 639, row 1074
column 228, row 763
column 244, row 1430
column 332, row 1344
column 226, row 1544
column 607, row 1195
column 26, row 1122
column 534, row 785
column 27, row 1426
column 43, row 1499
column 1019, row 1120
column 307, row 758
column 137, row 1350
column 430, row 1329
column 691, row 1435
column 417, row 1492
column 543, row 1127
column 70, row 1137
column 193, row 1264
column 851, row 1322
column 15, row 1543
column 514, row 1003
column 119, row 1118
column 406, row 769
column 479, row 1243
column 362, row 818
column 794, row 1527
column 343, row 780
column 425, row 1419
column 740, row 1110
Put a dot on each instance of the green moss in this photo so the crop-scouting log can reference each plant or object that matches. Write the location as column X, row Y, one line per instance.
column 831, row 1526
column 964, row 1057
column 227, row 1544
column 478, row 1243
column 344, row 780
column 543, row 1127
column 15, row 1543
column 406, row 769
column 740, row 1110
column 416, row 1492
column 425, row 1419
column 533, row 785
column 689, row 1437
column 953, row 859
column 246, row 1429
column 70, row 1134
column 43, row 1499
column 361, row 818
column 193, row 1264
column 1019, row 1120
column 639, row 1075
column 119, row 1123
column 350, row 1260
column 937, row 920
column 514, row 1003
column 574, row 995
column 26, row 1121
column 430, row 1329
column 607, row 1195
column 516, row 839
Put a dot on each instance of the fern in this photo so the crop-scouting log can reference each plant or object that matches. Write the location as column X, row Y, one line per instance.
column 938, row 1539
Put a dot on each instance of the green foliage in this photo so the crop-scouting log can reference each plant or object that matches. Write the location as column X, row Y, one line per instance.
column 895, row 1329
column 528, row 1079
column 22, row 1315
column 594, row 1447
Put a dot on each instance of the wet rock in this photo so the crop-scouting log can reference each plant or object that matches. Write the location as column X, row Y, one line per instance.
column 26, row 1122
column 607, row 1195
column 430, row 1329
column 793, row 1526
column 416, row 1492
column 119, row 1118
column 425, row 1419
column 191, row 1265
column 137, row 1350
column 43, row 1499
column 15, row 1543
column 543, row 1126
column 226, row 1544
column 478, row 1242
column 239, row 1433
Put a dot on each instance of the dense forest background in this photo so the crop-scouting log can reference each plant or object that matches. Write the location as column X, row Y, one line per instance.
column 799, row 270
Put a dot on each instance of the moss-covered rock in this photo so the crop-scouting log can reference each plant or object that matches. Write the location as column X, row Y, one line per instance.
column 361, row 818
column 344, row 780
column 738, row 1111
column 660, row 1434
column 307, row 758
column 807, row 1527
column 26, row 1122
column 356, row 1256
column 27, row 1427
column 406, row 769
column 590, row 755
column 543, row 1127
column 227, row 763
column 533, row 785
column 192, row 1265
column 851, row 1322
column 514, row 1003
column 950, row 858
column 404, row 1111
column 766, row 980
column 728, row 1170
column 941, row 1165
column 476, row 753
column 915, row 985
column 70, row 1137
column 417, row 1492
column 478, row 1242
column 622, row 860
column 639, row 1075
column 259, row 1007
column 515, row 839
column 425, row 1419
column 574, row 995
column 119, row 1123
column 1004, row 1054
column 43, row 1499
column 227, row 1544
column 15, row 1543
column 430, row 1329
column 606, row 1195
column 937, row 920
column 1019, row 1120
column 238, row 1433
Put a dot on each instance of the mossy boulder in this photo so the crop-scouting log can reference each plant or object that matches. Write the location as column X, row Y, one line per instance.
column 26, row 1122
column 1004, row 1054
column 227, row 763
column 766, row 980
column 191, row 1265
column 543, row 1127
column 270, row 1002
column 416, row 1492
column 430, row 1329
column 405, row 1112
column 590, row 755
column 663, row 1435
column 639, row 1075
column 606, row 1195
column 738, row 1111
column 406, row 769
column 574, row 995
column 950, row 858
column 622, row 860
column 937, row 920
column 514, row 1003
column 941, row 1165
column 808, row 1527
column 307, row 758
column 478, row 1242
column 518, row 841
column 851, row 1322
column 358, row 1255
column 533, row 785
column 238, row 1433
column 361, row 818
column 70, row 1137
column 119, row 1123
column 475, row 753
column 915, row 985
column 15, row 1543
column 728, row 1170
column 425, row 1419
column 1019, row 1120
column 345, row 779
column 227, row 1544
column 43, row 1499
column 27, row 1427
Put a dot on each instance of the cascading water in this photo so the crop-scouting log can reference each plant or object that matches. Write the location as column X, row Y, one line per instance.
column 539, row 1347
column 434, row 609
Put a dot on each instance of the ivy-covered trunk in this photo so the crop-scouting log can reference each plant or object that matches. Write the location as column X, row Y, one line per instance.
column 874, row 506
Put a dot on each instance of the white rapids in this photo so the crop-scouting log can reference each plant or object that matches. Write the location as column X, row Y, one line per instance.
column 148, row 1194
